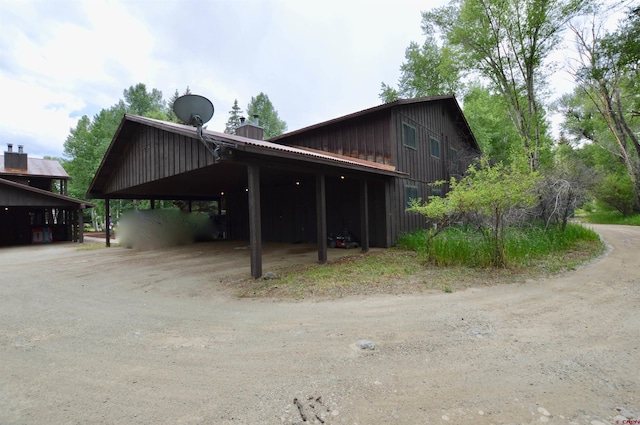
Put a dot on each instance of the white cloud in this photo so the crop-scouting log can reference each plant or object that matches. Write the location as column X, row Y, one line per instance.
column 316, row 59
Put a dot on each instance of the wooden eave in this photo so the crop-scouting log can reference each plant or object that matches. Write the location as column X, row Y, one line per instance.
column 234, row 150
column 14, row 194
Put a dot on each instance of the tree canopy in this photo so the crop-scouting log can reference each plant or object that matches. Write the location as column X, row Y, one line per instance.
column 268, row 116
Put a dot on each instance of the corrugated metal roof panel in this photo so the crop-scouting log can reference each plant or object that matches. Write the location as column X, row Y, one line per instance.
column 243, row 143
column 38, row 168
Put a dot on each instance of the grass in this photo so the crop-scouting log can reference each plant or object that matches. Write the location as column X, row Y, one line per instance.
column 404, row 269
column 610, row 217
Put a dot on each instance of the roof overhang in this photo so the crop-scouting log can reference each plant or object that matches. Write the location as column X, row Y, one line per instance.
column 234, row 151
column 14, row 194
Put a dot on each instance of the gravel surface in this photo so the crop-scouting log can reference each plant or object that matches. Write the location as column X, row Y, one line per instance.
column 115, row 336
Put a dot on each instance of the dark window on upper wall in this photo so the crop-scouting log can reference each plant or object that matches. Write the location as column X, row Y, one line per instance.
column 436, row 191
column 434, row 147
column 409, row 136
column 453, row 156
column 410, row 192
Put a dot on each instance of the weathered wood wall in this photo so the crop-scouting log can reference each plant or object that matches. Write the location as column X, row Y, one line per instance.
column 366, row 137
column 431, row 120
column 154, row 154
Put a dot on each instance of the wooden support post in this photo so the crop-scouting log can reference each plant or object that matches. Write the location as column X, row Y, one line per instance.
column 107, row 230
column 80, row 215
column 389, row 222
column 153, row 204
column 321, row 214
column 72, row 225
column 255, row 228
column 364, row 216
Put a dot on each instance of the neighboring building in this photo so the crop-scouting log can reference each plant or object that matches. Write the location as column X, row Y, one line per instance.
column 356, row 172
column 30, row 209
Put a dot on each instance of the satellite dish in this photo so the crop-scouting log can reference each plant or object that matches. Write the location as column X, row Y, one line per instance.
column 193, row 109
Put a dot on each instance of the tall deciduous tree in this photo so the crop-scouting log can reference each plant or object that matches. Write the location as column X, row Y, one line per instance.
column 428, row 70
column 508, row 42
column 268, row 116
column 488, row 118
column 607, row 73
column 87, row 143
column 138, row 101
column 234, row 118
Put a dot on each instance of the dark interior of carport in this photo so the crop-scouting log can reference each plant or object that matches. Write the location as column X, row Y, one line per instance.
column 265, row 194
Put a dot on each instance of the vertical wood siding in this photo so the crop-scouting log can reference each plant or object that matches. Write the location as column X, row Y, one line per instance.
column 431, row 120
column 366, row 137
column 154, row 154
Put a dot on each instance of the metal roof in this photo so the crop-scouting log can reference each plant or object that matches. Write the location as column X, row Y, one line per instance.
column 263, row 146
column 37, row 167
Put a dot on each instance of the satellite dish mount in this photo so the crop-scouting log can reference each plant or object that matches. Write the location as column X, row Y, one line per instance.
column 196, row 110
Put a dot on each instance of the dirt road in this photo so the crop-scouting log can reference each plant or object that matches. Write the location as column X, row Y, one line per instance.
column 114, row 336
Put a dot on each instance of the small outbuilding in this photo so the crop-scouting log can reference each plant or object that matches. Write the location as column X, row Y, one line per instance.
column 352, row 174
column 34, row 206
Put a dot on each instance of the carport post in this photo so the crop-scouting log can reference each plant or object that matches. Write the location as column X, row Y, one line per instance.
column 80, row 235
column 107, row 214
column 321, row 214
column 255, row 229
column 364, row 216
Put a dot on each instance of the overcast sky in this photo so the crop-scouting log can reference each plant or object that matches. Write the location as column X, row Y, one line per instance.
column 316, row 60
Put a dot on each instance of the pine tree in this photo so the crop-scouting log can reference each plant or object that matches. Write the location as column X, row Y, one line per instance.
column 234, row 118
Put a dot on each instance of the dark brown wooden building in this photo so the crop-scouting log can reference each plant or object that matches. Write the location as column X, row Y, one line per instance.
column 34, row 206
column 355, row 172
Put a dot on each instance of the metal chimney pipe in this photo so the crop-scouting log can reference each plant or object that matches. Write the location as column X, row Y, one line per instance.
column 9, row 147
column 255, row 120
column 20, row 149
column 242, row 120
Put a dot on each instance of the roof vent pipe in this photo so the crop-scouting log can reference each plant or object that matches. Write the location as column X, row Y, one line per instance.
column 9, row 147
column 20, row 149
column 242, row 120
column 255, row 119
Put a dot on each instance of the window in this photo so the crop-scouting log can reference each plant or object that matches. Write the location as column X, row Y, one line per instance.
column 409, row 136
column 410, row 192
column 436, row 191
column 434, row 147
column 453, row 156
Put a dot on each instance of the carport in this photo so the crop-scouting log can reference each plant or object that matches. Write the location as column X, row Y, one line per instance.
column 268, row 191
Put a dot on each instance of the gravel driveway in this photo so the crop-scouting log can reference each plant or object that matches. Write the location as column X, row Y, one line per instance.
column 115, row 336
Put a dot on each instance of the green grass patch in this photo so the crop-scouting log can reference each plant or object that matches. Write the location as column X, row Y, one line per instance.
column 523, row 246
column 404, row 269
column 610, row 217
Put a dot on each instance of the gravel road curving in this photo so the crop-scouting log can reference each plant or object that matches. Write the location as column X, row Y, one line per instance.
column 114, row 336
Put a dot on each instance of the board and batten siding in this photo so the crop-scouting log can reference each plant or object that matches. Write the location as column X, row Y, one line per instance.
column 366, row 138
column 154, row 154
column 431, row 121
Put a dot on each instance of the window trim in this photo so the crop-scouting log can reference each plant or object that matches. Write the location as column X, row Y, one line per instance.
column 431, row 140
column 407, row 199
column 415, row 136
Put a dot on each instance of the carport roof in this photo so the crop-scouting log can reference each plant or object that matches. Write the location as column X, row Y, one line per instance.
column 259, row 148
column 14, row 194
